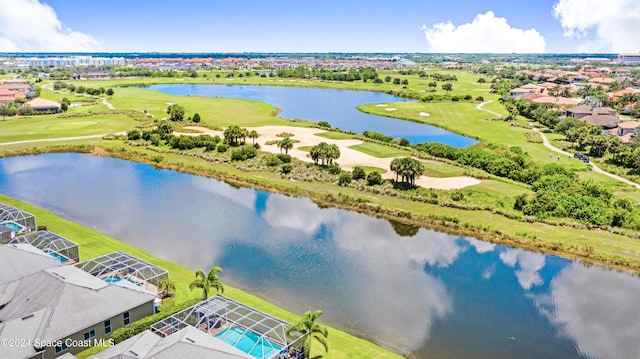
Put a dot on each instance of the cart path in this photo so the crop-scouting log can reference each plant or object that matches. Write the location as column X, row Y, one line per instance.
column 479, row 107
column 548, row 145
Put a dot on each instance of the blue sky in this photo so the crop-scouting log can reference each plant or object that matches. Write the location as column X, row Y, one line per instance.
column 501, row 26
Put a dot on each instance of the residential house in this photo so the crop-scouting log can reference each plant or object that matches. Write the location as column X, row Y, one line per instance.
column 522, row 91
column 41, row 105
column 616, row 95
column 626, row 129
column 6, row 96
column 585, row 110
column 189, row 343
column 20, row 260
column 63, row 309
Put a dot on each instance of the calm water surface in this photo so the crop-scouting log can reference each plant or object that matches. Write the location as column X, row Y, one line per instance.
column 410, row 290
column 338, row 107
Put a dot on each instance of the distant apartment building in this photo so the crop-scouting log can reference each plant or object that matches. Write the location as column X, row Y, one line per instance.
column 628, row 59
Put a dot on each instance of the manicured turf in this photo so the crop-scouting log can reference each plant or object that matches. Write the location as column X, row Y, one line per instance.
column 380, row 151
column 332, row 135
column 374, row 169
column 51, row 126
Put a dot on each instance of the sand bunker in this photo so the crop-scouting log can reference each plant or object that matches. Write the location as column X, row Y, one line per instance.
column 382, row 105
column 425, row 114
column 349, row 158
column 391, row 109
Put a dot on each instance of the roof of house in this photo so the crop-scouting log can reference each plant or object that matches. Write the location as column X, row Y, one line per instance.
column 562, row 101
column 20, row 260
column 590, row 109
column 629, row 124
column 6, row 95
column 39, row 103
column 52, row 304
column 606, row 121
column 189, row 342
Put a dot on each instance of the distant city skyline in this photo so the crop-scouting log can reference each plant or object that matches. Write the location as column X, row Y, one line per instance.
column 402, row 26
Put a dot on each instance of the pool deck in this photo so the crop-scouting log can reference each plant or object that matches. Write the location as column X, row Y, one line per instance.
column 143, row 284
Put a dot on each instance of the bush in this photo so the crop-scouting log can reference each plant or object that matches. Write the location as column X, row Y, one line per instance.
column 345, row 179
column 244, row 153
column 324, row 124
column 358, row 173
column 377, row 136
column 286, row 168
column 223, row 147
column 134, row 135
column 334, row 168
column 374, row 178
column 284, row 158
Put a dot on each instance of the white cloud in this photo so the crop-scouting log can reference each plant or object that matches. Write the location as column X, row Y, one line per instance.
column 603, row 26
column 485, row 34
column 529, row 264
column 29, row 25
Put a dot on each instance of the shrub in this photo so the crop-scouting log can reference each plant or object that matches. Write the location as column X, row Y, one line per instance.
column 244, row 153
column 223, row 147
column 284, row 158
column 134, row 135
column 286, row 168
column 374, row 178
column 324, row 124
column 358, row 173
column 334, row 168
column 345, row 179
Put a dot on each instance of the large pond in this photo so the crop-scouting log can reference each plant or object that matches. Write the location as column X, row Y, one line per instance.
column 412, row 290
column 338, row 107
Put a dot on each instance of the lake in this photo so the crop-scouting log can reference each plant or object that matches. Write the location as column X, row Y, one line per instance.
column 338, row 107
column 409, row 289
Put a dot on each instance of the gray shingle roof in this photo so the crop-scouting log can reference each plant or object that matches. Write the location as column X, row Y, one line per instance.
column 189, row 343
column 17, row 261
column 66, row 299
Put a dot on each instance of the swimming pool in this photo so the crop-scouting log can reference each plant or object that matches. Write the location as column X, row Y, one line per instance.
column 117, row 279
column 62, row 259
column 15, row 227
column 246, row 341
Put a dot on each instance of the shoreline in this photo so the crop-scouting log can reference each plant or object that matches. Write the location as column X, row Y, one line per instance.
column 442, row 223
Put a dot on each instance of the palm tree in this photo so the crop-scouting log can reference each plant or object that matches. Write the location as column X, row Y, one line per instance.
column 207, row 281
column 285, row 144
column 253, row 134
column 307, row 330
column 167, row 287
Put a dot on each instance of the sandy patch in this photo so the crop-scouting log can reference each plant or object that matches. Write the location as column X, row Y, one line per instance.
column 382, row 105
column 391, row 109
column 280, row 80
column 179, row 79
column 170, row 103
column 349, row 158
column 425, row 114
column 229, row 79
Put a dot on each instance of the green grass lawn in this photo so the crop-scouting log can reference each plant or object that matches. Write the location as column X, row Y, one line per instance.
column 305, row 148
column 373, row 169
column 332, row 135
column 380, row 151
column 440, row 169
column 93, row 244
column 51, row 126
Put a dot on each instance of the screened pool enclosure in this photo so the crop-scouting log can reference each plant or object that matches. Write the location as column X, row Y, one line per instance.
column 64, row 250
column 10, row 214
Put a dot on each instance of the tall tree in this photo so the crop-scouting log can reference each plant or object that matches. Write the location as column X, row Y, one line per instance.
column 447, row 87
column 285, row 144
column 207, row 281
column 253, row 134
column 407, row 168
column 307, row 330
column 176, row 112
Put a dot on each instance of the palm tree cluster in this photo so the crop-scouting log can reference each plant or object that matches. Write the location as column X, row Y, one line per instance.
column 307, row 331
column 285, row 144
column 207, row 281
column 325, row 152
column 233, row 134
column 408, row 168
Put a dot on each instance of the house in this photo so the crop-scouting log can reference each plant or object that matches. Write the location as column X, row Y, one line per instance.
column 210, row 329
column 189, row 343
column 20, row 260
column 616, row 95
column 585, row 110
column 6, row 96
column 42, row 105
column 91, row 74
column 65, row 309
column 22, row 88
column 602, row 120
column 626, row 129
column 522, row 91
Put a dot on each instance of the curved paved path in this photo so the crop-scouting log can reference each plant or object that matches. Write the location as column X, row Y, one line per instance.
column 61, row 139
column 548, row 145
column 479, row 107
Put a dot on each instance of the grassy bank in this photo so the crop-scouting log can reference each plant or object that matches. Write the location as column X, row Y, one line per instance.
column 93, row 244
